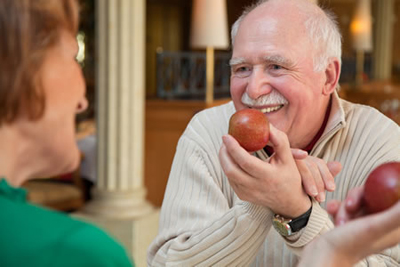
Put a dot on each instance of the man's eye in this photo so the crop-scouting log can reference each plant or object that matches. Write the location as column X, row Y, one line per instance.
column 242, row 71
column 276, row 67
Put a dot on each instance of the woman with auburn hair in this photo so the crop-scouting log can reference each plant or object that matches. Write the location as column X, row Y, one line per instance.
column 41, row 90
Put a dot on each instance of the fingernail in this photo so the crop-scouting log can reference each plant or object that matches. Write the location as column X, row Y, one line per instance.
column 331, row 185
column 314, row 191
column 339, row 222
column 321, row 197
column 349, row 202
column 303, row 152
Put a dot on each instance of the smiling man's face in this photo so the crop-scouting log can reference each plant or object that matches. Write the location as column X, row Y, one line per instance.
column 272, row 70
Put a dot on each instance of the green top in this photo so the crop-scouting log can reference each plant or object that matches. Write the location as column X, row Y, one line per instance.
column 34, row 236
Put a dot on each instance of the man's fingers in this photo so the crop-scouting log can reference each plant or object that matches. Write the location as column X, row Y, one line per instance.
column 334, row 167
column 280, row 143
column 238, row 179
column 299, row 153
column 318, row 178
column 234, row 150
column 248, row 164
column 326, row 174
column 307, row 179
column 228, row 164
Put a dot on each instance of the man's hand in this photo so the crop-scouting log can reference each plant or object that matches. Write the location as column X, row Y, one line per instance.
column 318, row 176
column 275, row 184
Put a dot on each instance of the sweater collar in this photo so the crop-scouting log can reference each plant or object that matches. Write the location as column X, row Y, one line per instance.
column 336, row 118
column 336, row 121
column 12, row 193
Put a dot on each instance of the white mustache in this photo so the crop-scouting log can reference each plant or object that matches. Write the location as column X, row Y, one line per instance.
column 271, row 99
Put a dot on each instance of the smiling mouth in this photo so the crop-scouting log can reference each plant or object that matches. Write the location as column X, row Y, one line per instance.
column 271, row 109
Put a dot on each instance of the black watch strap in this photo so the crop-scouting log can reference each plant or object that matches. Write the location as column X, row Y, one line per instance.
column 300, row 222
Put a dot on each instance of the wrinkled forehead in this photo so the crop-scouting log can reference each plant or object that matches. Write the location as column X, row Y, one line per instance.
column 273, row 29
column 285, row 14
column 273, row 23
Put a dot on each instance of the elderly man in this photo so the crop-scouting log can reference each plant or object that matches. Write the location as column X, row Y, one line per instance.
column 221, row 202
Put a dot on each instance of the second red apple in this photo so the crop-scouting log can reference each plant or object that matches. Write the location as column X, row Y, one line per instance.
column 382, row 188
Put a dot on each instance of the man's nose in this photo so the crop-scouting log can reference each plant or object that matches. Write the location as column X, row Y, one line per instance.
column 258, row 84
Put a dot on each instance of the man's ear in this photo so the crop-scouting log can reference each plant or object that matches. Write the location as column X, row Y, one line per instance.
column 332, row 74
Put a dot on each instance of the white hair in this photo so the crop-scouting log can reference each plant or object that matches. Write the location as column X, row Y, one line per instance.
column 321, row 26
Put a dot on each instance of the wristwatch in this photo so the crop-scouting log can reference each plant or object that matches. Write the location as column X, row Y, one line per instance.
column 287, row 227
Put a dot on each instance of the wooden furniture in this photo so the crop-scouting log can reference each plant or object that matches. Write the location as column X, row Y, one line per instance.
column 57, row 193
column 384, row 96
column 165, row 122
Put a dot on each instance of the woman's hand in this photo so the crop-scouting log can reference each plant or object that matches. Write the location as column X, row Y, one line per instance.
column 349, row 209
column 355, row 240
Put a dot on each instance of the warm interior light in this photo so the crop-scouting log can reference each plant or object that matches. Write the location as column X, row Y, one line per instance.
column 209, row 30
column 361, row 26
column 358, row 27
column 209, row 24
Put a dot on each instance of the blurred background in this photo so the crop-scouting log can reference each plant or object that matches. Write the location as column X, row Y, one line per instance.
column 150, row 65
column 176, row 66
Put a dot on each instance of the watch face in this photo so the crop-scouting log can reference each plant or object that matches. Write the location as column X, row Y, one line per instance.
column 282, row 227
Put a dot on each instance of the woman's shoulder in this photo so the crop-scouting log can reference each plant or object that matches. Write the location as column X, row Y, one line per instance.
column 93, row 246
column 32, row 231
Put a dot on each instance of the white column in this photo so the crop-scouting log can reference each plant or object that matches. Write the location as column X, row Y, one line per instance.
column 119, row 190
column 383, row 42
column 119, row 203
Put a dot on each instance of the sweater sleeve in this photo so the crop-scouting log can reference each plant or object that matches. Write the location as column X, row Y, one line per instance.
column 318, row 224
column 367, row 142
column 202, row 223
column 376, row 140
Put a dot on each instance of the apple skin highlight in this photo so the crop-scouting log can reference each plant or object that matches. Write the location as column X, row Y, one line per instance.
column 382, row 188
column 250, row 127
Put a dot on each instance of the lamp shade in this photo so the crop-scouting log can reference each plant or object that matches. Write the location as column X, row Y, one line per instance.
column 361, row 26
column 209, row 24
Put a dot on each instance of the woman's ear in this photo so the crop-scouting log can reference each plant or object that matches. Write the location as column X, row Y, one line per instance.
column 332, row 73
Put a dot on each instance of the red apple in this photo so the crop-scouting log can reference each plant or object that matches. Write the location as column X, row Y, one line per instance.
column 382, row 188
column 250, row 127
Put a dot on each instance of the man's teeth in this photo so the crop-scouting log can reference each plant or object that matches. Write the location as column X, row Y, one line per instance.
column 270, row 109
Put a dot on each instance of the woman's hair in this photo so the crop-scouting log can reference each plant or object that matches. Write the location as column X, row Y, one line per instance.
column 321, row 27
column 28, row 28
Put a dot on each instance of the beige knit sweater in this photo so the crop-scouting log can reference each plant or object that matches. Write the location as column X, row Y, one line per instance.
column 204, row 223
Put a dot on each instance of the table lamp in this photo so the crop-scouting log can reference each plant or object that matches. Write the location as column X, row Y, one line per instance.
column 209, row 29
column 361, row 31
